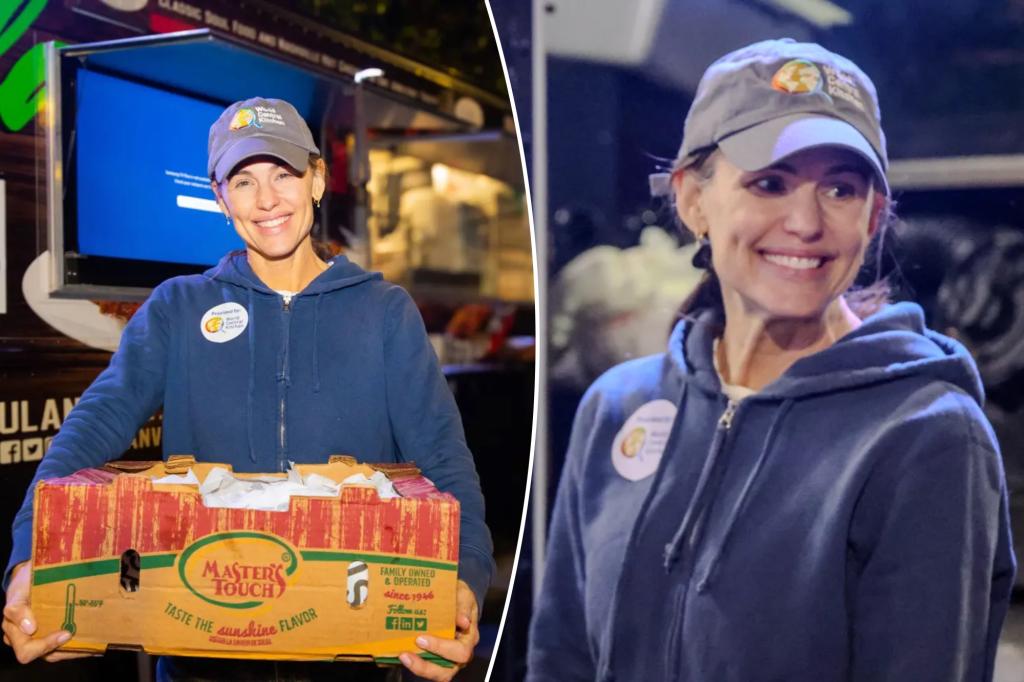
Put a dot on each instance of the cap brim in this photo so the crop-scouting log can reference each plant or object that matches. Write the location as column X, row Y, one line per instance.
column 762, row 145
column 255, row 145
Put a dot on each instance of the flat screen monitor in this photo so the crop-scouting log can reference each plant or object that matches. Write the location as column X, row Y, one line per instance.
column 142, row 192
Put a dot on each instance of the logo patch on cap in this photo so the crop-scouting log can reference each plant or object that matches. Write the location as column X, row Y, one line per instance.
column 244, row 118
column 844, row 86
column 796, row 77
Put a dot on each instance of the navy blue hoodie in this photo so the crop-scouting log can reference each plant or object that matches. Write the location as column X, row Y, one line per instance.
column 344, row 368
column 848, row 522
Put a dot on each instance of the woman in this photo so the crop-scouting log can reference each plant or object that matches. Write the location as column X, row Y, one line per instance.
column 804, row 487
column 273, row 355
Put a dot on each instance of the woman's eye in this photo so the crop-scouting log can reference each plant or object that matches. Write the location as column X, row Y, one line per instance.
column 769, row 184
column 284, row 175
column 238, row 184
column 843, row 190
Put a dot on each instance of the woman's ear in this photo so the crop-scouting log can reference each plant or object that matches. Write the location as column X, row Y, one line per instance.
column 319, row 179
column 220, row 200
column 879, row 210
column 687, row 189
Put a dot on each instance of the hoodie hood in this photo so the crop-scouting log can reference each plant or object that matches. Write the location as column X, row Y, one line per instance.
column 891, row 344
column 234, row 269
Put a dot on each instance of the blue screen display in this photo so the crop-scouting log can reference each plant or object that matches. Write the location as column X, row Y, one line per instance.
column 143, row 192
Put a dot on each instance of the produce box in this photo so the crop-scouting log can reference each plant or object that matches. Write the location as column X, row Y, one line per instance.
column 123, row 562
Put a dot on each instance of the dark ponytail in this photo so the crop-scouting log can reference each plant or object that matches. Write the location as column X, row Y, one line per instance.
column 706, row 296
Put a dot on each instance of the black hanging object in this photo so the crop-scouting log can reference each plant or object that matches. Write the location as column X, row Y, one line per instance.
column 702, row 258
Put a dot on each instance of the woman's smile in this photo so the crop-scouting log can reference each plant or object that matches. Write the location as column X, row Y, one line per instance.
column 796, row 263
column 274, row 225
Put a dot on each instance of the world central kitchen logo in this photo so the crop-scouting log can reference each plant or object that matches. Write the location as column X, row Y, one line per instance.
column 237, row 570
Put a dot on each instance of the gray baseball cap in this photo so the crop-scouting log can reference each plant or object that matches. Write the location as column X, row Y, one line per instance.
column 256, row 127
column 771, row 99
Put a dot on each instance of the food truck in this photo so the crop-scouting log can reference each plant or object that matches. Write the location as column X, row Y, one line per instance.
column 104, row 112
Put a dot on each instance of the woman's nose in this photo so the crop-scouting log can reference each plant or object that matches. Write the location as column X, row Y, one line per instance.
column 267, row 197
column 805, row 217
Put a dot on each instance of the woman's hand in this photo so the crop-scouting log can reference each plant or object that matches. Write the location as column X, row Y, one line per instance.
column 20, row 624
column 459, row 650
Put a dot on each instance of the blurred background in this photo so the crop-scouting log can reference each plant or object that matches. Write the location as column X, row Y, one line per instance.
column 104, row 111
column 602, row 89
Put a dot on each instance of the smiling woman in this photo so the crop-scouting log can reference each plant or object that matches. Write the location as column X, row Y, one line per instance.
column 269, row 203
column 803, row 224
column 804, row 486
column 267, row 175
column 274, row 356
column 788, row 242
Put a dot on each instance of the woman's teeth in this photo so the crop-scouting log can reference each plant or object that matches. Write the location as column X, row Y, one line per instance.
column 272, row 223
column 795, row 262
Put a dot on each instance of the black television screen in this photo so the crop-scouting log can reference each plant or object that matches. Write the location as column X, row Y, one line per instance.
column 142, row 190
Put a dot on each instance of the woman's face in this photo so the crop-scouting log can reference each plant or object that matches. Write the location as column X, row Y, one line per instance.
column 271, row 205
column 786, row 241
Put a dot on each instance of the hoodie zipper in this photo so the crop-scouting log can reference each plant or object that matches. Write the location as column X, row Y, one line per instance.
column 725, row 421
column 286, row 308
column 674, row 642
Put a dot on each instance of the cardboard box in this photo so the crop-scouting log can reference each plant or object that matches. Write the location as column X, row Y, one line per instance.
column 124, row 563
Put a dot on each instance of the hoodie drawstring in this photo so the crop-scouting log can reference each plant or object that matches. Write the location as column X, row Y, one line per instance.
column 316, row 343
column 705, row 580
column 675, row 548
column 252, row 373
